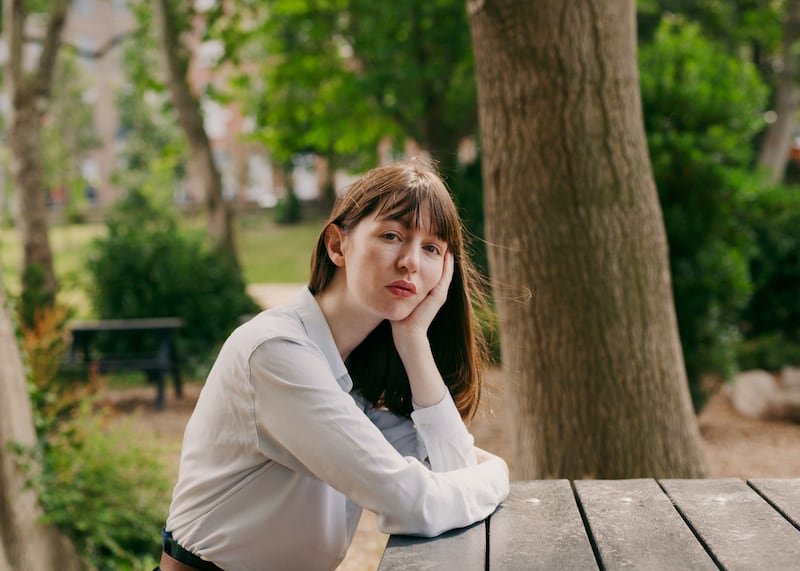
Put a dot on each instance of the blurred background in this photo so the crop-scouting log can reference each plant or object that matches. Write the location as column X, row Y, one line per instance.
column 178, row 158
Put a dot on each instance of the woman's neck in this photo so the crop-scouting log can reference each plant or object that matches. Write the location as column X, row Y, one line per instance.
column 349, row 323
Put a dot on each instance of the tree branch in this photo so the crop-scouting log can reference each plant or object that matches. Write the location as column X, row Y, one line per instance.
column 80, row 51
column 57, row 17
column 13, row 24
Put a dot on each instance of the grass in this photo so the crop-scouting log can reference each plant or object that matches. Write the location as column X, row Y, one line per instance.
column 276, row 254
column 269, row 253
column 70, row 248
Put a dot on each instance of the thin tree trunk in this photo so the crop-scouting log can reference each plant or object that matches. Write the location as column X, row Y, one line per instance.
column 220, row 218
column 25, row 543
column 774, row 152
column 28, row 175
column 578, row 250
column 29, row 94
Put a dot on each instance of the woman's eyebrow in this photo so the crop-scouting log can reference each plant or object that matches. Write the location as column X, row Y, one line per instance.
column 410, row 222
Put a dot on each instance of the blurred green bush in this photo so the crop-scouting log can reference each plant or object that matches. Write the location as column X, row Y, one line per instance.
column 702, row 108
column 770, row 322
column 97, row 480
column 147, row 267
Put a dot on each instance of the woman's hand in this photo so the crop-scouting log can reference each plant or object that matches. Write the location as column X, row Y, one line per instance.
column 418, row 321
column 411, row 340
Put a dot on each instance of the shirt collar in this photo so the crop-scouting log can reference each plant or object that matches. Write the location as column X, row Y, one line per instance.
column 317, row 328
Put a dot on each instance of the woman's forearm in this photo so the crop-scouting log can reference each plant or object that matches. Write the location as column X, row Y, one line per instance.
column 427, row 385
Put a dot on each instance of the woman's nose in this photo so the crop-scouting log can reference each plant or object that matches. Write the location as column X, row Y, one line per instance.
column 409, row 259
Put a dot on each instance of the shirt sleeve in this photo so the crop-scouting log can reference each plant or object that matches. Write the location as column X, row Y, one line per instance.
column 449, row 444
column 435, row 435
column 300, row 408
column 398, row 430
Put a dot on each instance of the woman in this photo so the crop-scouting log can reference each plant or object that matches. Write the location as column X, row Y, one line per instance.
column 350, row 396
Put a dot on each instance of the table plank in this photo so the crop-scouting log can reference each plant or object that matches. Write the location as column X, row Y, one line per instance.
column 461, row 549
column 784, row 494
column 539, row 527
column 635, row 526
column 741, row 530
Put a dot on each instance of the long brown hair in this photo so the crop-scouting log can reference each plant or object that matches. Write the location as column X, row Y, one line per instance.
column 402, row 191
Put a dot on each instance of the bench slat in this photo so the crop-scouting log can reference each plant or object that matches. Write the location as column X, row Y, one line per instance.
column 156, row 363
column 539, row 527
column 783, row 494
column 741, row 529
column 133, row 364
column 145, row 323
column 634, row 526
column 461, row 549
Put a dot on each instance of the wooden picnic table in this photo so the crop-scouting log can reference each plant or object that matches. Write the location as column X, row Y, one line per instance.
column 622, row 524
column 156, row 363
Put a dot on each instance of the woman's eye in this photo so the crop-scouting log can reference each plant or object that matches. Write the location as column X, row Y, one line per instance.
column 433, row 249
column 391, row 236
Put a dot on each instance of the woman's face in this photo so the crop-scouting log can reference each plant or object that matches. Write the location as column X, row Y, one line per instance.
column 390, row 267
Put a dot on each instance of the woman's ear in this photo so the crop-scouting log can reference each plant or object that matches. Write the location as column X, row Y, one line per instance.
column 334, row 240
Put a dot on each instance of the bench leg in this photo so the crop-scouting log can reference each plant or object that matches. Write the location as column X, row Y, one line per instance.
column 176, row 378
column 176, row 368
column 157, row 377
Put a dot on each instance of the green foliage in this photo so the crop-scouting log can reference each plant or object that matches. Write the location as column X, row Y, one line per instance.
column 104, row 488
column 702, row 107
column 44, row 347
column 771, row 319
column 35, row 295
column 304, row 96
column 288, row 209
column 99, row 483
column 732, row 24
column 335, row 77
column 147, row 267
column 68, row 134
column 153, row 158
column 466, row 185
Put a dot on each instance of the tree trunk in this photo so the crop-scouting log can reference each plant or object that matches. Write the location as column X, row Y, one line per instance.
column 29, row 94
column 220, row 219
column 578, row 250
column 25, row 543
column 777, row 143
column 27, row 170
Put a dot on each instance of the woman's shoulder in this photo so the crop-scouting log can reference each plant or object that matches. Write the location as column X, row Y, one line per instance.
column 281, row 322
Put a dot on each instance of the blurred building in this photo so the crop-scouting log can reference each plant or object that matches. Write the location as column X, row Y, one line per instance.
column 246, row 171
column 95, row 28
column 92, row 25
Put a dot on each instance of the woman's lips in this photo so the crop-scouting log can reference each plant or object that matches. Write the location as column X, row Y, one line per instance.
column 402, row 288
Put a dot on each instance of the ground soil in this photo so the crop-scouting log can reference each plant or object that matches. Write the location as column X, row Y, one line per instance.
column 735, row 446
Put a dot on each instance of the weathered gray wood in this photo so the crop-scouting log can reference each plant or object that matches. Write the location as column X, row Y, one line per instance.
column 634, row 526
column 784, row 494
column 741, row 530
column 461, row 549
column 539, row 527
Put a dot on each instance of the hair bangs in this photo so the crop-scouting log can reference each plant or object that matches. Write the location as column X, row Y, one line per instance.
column 412, row 207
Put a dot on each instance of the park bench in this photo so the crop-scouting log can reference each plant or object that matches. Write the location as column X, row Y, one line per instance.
column 158, row 358
column 614, row 524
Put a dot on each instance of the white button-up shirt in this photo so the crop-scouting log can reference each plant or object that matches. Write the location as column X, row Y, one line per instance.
column 280, row 456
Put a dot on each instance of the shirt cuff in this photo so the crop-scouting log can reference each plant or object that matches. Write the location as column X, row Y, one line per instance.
column 443, row 417
column 445, row 439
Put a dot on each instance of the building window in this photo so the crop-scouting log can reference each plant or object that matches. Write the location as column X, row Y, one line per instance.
column 86, row 44
column 83, row 7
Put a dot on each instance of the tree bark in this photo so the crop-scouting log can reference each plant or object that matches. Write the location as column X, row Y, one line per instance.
column 29, row 94
column 220, row 218
column 25, row 543
column 577, row 245
column 774, row 153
